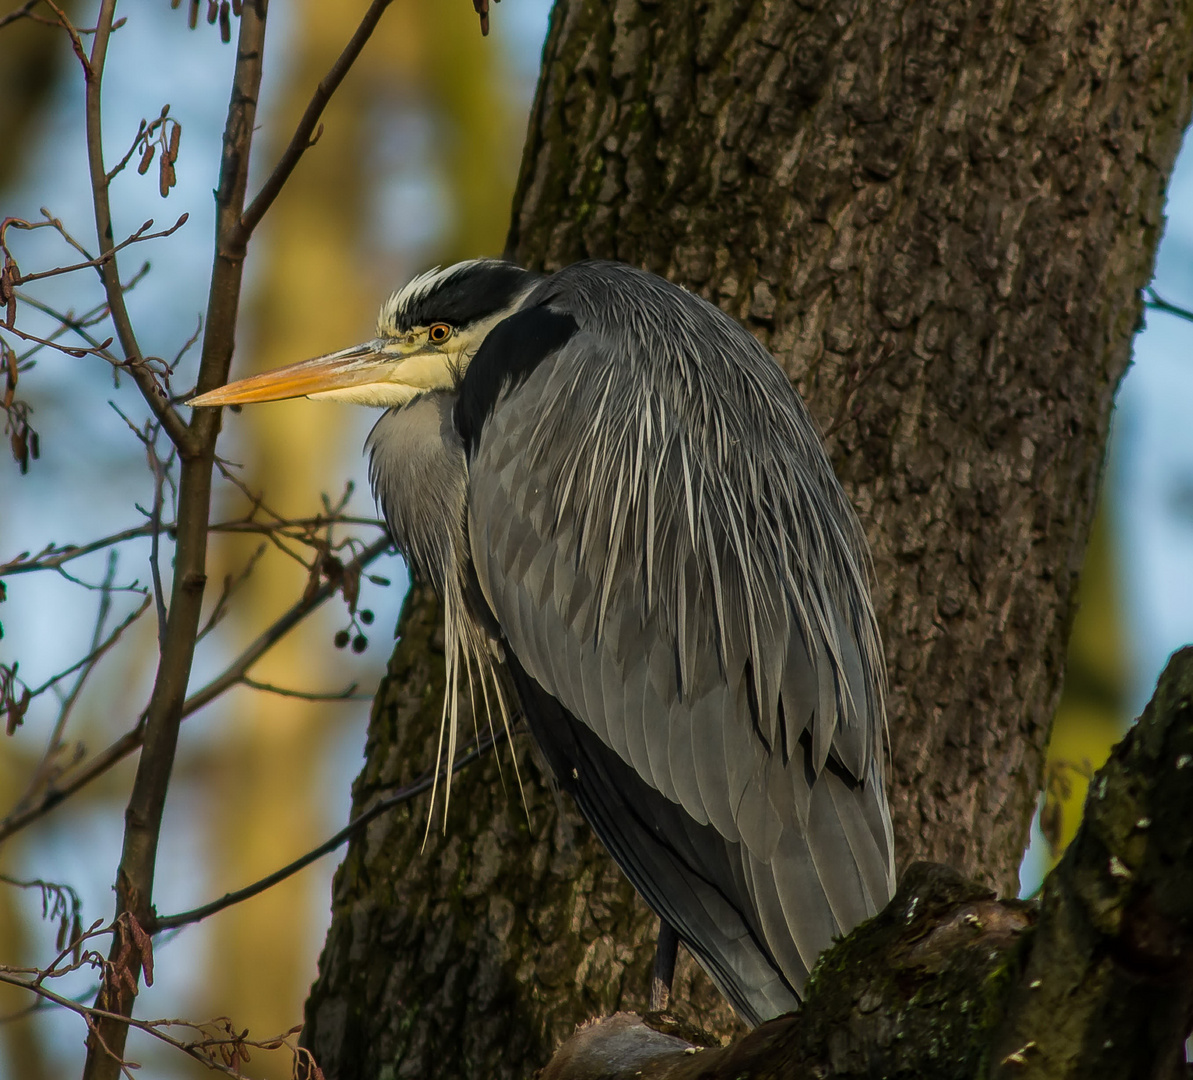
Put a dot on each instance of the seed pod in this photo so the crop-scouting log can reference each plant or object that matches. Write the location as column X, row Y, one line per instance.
column 175, row 138
column 360, row 643
column 341, row 638
column 213, row 10
column 225, row 22
column 192, row 16
column 147, row 158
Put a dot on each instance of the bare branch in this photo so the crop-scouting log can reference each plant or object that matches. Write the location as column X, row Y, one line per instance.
column 231, row 584
column 51, row 558
column 63, row 789
column 480, row 747
column 232, row 676
column 46, row 766
column 196, row 447
column 196, row 1049
column 138, row 237
column 305, row 134
column 234, row 673
column 95, row 654
column 1157, row 303
column 75, row 41
column 18, row 13
column 74, row 351
column 347, row 694
column 151, row 390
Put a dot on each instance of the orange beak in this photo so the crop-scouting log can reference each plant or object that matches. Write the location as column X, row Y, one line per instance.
column 355, row 366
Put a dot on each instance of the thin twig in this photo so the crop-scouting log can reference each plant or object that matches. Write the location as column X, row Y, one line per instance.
column 305, row 134
column 101, row 349
column 150, row 1027
column 232, row 582
column 158, row 467
column 96, row 653
column 1158, row 303
column 481, row 747
column 151, row 390
column 52, row 558
column 54, row 743
column 231, row 676
column 18, row 13
column 77, row 325
column 139, row 236
column 235, row 672
column 347, row 694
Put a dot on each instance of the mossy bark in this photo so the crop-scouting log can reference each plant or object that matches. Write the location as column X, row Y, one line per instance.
column 938, row 217
column 948, row 982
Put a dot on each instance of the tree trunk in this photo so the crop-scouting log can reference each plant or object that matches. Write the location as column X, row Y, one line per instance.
column 939, row 218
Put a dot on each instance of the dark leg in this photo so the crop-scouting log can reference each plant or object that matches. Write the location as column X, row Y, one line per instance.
column 664, row 967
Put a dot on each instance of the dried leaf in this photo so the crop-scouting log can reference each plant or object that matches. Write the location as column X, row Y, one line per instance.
column 18, row 441
column 144, row 945
column 9, row 277
column 313, row 577
column 350, row 585
column 10, row 373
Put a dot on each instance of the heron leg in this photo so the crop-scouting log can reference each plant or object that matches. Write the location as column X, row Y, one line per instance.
column 664, row 967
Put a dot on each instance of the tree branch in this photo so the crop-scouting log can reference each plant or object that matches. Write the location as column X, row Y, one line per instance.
column 402, row 795
column 947, row 981
column 151, row 390
column 305, row 134
column 232, row 675
column 196, row 446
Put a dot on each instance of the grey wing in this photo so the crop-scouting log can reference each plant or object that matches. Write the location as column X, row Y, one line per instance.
column 714, row 725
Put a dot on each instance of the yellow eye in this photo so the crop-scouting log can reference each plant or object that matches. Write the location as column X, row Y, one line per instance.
column 439, row 333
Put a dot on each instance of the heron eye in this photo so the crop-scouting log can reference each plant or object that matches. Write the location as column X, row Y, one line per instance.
column 439, row 333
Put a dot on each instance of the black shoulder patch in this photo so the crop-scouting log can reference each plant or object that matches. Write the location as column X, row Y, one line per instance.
column 510, row 352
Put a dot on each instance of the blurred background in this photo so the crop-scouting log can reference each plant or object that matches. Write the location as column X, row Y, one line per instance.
column 389, row 191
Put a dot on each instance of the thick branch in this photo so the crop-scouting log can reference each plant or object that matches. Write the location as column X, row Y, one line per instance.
column 948, row 982
column 1113, row 954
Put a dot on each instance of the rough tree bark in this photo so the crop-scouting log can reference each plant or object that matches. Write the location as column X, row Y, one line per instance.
column 938, row 217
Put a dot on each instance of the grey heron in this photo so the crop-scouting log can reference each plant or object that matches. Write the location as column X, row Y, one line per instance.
column 616, row 490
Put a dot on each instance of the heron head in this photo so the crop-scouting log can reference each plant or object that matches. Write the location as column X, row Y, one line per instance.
column 427, row 333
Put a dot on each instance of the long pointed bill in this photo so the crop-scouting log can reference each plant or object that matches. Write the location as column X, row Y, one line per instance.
column 357, row 366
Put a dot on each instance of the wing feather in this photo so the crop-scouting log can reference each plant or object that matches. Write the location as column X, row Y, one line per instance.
column 684, row 585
